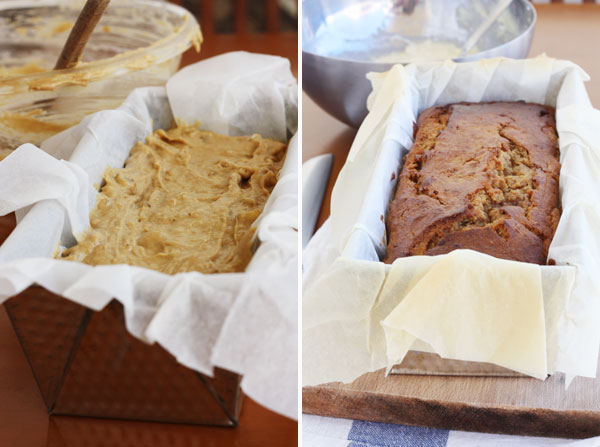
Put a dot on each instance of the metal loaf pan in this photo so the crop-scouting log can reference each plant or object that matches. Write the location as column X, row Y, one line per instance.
column 87, row 364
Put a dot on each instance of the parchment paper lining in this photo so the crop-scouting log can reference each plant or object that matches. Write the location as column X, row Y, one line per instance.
column 244, row 322
column 355, row 239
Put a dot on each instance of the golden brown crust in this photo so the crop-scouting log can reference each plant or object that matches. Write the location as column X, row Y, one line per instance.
column 482, row 177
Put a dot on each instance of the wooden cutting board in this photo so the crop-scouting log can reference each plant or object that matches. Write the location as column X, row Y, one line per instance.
column 498, row 404
column 429, row 364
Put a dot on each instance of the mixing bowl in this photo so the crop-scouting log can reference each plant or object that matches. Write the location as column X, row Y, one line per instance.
column 343, row 40
column 136, row 43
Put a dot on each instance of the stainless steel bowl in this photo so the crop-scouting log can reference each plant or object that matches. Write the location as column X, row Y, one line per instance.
column 342, row 38
column 136, row 43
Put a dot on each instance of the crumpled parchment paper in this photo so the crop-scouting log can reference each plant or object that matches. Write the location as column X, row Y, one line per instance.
column 244, row 322
column 360, row 315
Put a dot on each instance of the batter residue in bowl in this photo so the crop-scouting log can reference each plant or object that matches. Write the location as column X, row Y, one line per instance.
column 185, row 201
column 26, row 69
column 28, row 126
column 425, row 51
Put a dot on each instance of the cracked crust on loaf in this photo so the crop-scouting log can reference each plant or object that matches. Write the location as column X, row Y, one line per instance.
column 482, row 177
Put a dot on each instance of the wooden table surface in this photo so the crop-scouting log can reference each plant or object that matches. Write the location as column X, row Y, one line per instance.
column 23, row 418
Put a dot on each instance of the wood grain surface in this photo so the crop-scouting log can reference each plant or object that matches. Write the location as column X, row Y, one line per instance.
column 487, row 404
column 88, row 18
column 425, row 363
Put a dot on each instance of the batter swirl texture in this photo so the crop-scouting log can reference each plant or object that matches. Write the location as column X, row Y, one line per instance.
column 184, row 201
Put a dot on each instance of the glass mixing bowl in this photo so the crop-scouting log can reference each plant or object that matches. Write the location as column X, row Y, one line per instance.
column 136, row 43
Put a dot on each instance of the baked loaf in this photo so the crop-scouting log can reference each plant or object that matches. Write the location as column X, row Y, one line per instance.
column 482, row 177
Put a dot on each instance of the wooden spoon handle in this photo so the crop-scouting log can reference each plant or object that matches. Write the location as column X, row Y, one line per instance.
column 81, row 32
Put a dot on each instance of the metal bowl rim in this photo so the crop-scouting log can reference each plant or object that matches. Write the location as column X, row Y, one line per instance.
column 457, row 59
